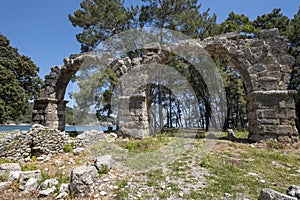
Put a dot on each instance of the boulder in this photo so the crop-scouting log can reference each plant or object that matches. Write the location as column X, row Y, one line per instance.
column 62, row 195
column 47, row 192
column 49, row 183
column 31, row 185
column 14, row 175
column 84, row 181
column 103, row 163
column 269, row 194
column 78, row 151
column 89, row 137
column 294, row 191
column 6, row 168
column 4, row 185
column 26, row 176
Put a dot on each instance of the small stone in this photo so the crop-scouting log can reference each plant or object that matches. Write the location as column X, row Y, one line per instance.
column 48, row 183
column 64, row 188
column 262, row 181
column 8, row 167
column 115, row 187
column 4, row 184
column 26, row 176
column 40, row 158
column 106, row 179
column 103, row 162
column 58, row 162
column 62, row 195
column 181, row 194
column 103, row 193
column 14, row 175
column 31, row 185
column 78, row 151
column 47, row 192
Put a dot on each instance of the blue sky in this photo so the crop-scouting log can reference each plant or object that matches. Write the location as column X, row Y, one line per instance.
column 42, row 31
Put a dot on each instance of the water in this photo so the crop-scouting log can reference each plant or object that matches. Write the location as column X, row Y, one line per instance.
column 67, row 128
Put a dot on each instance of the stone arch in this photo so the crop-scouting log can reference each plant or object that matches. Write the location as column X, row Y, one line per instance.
column 262, row 61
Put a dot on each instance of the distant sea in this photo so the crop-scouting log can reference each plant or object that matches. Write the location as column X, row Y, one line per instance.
column 67, row 128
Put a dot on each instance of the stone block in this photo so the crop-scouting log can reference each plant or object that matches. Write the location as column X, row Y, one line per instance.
column 84, row 181
column 269, row 194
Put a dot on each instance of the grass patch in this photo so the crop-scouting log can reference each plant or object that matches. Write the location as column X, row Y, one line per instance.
column 148, row 144
column 67, row 148
column 248, row 170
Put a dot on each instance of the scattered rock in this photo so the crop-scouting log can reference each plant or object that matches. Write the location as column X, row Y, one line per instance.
column 294, row 191
column 47, row 192
column 26, row 176
column 78, row 151
column 48, row 183
column 6, row 168
column 14, row 175
column 62, row 195
column 269, row 194
column 83, row 181
column 103, row 163
column 64, row 188
column 103, row 193
column 31, row 185
column 4, row 185
column 89, row 137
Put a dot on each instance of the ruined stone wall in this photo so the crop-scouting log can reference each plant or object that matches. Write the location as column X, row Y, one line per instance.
column 39, row 142
column 262, row 61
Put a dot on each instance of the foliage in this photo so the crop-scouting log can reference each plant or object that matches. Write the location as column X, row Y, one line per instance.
column 179, row 15
column 19, row 82
column 237, row 23
column 99, row 20
column 67, row 148
column 148, row 144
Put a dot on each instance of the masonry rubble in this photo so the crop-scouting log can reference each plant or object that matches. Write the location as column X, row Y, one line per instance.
column 40, row 142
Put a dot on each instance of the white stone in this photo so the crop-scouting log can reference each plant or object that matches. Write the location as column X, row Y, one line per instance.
column 62, row 195
column 26, row 176
column 64, row 188
column 48, row 183
column 14, row 175
column 4, row 184
column 103, row 193
column 47, row 191
column 78, row 151
column 31, row 185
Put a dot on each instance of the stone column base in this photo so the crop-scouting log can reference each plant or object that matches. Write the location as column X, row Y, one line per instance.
column 271, row 116
column 49, row 112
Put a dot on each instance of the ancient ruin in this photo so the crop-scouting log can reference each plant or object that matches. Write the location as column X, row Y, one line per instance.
column 262, row 61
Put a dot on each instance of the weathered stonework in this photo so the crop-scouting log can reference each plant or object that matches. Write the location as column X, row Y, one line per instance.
column 262, row 61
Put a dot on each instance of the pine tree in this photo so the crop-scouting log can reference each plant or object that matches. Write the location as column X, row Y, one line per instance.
column 99, row 20
column 19, row 82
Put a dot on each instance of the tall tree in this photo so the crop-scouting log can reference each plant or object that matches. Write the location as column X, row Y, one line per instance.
column 100, row 19
column 237, row 23
column 19, row 81
column 275, row 19
column 178, row 15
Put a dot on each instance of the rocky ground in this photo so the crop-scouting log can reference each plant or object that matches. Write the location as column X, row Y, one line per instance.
column 159, row 168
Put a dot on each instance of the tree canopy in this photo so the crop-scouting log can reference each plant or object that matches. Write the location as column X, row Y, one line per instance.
column 19, row 81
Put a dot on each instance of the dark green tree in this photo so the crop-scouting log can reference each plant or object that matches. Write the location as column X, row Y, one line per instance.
column 237, row 23
column 100, row 19
column 178, row 15
column 19, row 81
column 275, row 19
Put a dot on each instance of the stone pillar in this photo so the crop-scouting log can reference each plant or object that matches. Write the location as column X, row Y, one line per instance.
column 133, row 116
column 49, row 112
column 271, row 116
